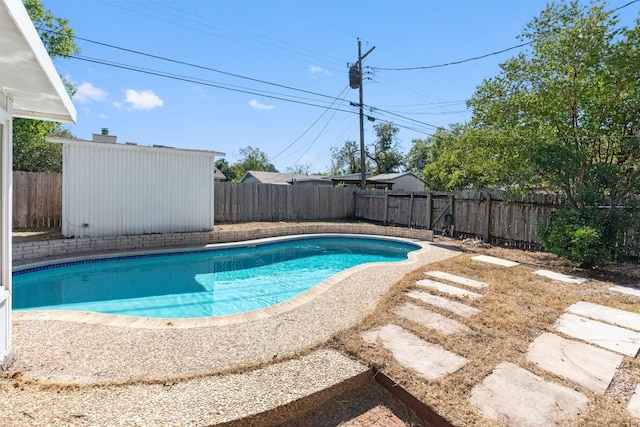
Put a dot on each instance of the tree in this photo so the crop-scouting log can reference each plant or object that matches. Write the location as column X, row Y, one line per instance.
column 346, row 159
column 565, row 115
column 449, row 160
column 252, row 159
column 383, row 156
column 385, row 152
column 224, row 167
column 30, row 150
column 31, row 153
column 299, row 168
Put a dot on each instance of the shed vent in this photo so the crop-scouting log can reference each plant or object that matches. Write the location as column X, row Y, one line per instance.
column 104, row 136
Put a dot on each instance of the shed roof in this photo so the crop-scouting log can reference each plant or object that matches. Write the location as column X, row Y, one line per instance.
column 27, row 73
column 131, row 146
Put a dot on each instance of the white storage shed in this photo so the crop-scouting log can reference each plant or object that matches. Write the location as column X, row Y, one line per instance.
column 111, row 189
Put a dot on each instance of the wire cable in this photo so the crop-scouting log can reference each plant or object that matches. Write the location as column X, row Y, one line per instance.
column 428, row 67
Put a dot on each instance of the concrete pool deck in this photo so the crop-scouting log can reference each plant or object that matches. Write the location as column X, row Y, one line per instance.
column 105, row 373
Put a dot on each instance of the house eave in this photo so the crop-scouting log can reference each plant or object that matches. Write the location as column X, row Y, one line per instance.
column 27, row 73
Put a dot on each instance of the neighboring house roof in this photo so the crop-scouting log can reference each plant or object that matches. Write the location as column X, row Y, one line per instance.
column 27, row 72
column 311, row 179
column 393, row 176
column 348, row 177
column 277, row 178
column 218, row 175
column 386, row 180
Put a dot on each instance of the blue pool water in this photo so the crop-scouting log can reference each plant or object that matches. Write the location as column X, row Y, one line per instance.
column 201, row 283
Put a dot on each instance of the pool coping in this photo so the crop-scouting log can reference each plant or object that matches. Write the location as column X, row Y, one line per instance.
column 116, row 320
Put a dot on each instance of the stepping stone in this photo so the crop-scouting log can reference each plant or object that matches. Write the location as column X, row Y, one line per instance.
column 615, row 316
column 611, row 337
column 626, row 290
column 442, row 302
column 517, row 397
column 494, row 260
column 457, row 279
column 560, row 277
column 429, row 360
column 634, row 403
column 589, row 366
column 447, row 289
column 430, row 319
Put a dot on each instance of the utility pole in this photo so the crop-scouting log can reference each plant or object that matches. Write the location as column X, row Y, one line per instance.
column 356, row 82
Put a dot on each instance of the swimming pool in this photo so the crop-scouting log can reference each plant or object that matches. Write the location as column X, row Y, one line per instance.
column 199, row 283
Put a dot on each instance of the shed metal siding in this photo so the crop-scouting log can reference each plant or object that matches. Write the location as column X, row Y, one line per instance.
column 117, row 189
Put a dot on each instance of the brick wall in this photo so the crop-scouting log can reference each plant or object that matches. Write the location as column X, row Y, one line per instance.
column 29, row 252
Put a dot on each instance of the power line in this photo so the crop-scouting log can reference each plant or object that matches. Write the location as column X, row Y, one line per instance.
column 189, row 64
column 309, row 128
column 320, row 133
column 280, row 97
column 223, row 30
column 405, row 118
column 456, row 62
column 428, row 67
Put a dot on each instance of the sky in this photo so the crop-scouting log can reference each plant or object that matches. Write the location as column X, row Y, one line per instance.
column 273, row 75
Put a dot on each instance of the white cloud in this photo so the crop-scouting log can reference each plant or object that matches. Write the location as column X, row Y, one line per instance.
column 87, row 92
column 258, row 106
column 140, row 100
column 314, row 69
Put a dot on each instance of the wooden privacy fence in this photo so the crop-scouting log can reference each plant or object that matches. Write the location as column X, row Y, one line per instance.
column 37, row 202
column 238, row 202
column 37, row 199
column 479, row 214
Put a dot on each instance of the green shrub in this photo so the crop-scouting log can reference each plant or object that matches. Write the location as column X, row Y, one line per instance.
column 591, row 238
column 587, row 248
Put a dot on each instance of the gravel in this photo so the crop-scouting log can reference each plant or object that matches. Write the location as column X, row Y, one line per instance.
column 92, row 373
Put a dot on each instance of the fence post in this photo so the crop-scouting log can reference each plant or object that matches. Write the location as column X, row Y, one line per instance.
column 487, row 219
column 429, row 210
column 452, row 204
column 411, row 211
column 386, row 208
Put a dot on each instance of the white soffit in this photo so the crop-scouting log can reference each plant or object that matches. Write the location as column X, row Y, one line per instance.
column 27, row 73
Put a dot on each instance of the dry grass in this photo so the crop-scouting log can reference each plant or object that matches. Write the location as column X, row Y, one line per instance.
column 516, row 308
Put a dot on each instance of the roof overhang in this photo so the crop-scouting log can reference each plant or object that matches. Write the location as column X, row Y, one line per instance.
column 131, row 146
column 27, row 73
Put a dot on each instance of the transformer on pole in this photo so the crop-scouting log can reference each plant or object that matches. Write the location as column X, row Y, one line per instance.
column 355, row 82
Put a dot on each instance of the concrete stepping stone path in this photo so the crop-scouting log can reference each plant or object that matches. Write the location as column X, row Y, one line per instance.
column 496, row 261
column 447, row 289
column 626, row 290
column 560, row 277
column 634, row 403
column 591, row 367
column 429, row 360
column 615, row 316
column 445, row 303
column 430, row 319
column 456, row 279
column 520, row 398
column 611, row 337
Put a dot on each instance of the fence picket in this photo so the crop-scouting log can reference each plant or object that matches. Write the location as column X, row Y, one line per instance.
column 37, row 202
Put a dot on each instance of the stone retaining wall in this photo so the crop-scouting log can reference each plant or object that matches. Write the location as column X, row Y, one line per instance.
column 27, row 252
